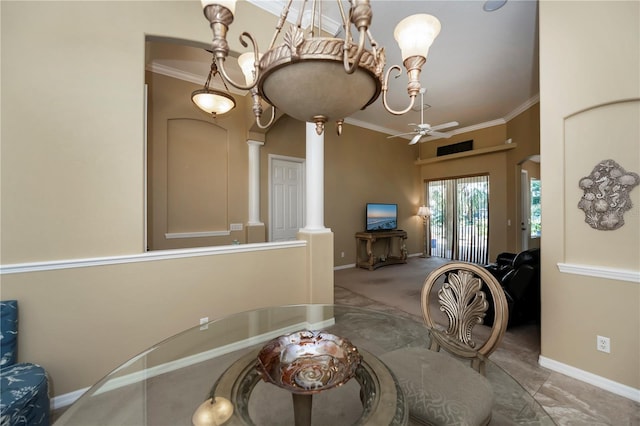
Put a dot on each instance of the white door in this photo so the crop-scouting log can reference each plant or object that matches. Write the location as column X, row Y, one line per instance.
column 286, row 198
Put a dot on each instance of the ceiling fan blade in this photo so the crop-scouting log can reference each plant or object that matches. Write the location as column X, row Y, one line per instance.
column 445, row 125
column 400, row 134
column 440, row 134
column 415, row 139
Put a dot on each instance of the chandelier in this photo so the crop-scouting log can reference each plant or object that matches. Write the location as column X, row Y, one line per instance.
column 317, row 79
column 213, row 101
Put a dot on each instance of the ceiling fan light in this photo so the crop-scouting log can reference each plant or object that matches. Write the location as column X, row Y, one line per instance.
column 213, row 101
column 416, row 33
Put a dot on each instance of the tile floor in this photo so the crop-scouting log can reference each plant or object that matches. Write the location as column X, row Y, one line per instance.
column 568, row 401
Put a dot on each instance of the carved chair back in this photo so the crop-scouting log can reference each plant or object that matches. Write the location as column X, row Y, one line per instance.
column 462, row 299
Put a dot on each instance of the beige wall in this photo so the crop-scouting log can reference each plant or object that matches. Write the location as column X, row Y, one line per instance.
column 198, row 167
column 524, row 131
column 361, row 166
column 73, row 188
column 586, row 117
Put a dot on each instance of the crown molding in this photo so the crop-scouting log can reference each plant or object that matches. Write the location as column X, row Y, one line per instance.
column 522, row 108
column 275, row 8
column 366, row 125
column 191, row 78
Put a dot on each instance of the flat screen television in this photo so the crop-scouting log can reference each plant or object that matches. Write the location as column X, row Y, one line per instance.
column 381, row 217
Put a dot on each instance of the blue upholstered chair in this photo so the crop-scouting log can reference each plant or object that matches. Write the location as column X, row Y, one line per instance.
column 24, row 387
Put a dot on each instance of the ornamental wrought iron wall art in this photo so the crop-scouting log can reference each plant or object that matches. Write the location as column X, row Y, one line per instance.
column 606, row 195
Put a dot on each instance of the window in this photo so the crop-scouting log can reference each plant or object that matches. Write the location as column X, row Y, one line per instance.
column 459, row 226
column 534, row 219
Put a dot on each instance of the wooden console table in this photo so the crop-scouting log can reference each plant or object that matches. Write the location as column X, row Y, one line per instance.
column 393, row 249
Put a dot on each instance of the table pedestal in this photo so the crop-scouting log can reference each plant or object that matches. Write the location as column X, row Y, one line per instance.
column 382, row 399
column 302, row 405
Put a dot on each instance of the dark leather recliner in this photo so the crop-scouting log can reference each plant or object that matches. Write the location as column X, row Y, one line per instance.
column 519, row 276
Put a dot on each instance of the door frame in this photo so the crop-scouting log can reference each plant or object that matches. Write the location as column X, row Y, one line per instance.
column 301, row 203
column 525, row 210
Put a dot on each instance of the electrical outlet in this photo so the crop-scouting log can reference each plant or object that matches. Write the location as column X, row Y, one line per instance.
column 342, row 254
column 603, row 344
column 235, row 227
column 204, row 323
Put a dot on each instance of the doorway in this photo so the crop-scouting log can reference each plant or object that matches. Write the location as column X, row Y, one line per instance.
column 529, row 216
column 459, row 225
column 286, row 197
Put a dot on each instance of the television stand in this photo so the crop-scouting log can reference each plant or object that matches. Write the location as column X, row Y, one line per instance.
column 381, row 248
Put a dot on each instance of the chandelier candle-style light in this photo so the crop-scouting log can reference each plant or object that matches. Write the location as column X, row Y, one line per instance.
column 316, row 79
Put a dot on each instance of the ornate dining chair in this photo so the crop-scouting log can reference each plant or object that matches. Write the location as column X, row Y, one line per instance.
column 452, row 390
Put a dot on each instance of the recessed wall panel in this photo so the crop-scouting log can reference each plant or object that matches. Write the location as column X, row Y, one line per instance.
column 196, row 176
column 605, row 132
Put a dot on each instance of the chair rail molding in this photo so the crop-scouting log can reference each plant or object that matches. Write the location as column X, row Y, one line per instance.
column 146, row 257
column 600, row 272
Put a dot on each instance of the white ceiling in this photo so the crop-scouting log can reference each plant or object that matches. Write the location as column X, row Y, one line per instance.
column 482, row 68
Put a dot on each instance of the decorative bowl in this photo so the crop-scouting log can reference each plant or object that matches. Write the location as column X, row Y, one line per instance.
column 308, row 362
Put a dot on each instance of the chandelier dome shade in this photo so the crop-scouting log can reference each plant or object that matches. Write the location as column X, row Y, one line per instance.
column 213, row 101
column 311, row 84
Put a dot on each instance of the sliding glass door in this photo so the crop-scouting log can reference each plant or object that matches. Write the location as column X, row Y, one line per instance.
column 459, row 225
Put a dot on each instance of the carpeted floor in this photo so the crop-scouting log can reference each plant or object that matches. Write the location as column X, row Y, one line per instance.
column 567, row 400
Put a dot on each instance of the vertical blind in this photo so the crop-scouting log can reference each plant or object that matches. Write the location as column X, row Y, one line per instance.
column 459, row 226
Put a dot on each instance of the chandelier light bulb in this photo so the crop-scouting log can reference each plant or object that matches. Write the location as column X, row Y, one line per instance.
column 213, row 101
column 416, row 33
column 246, row 62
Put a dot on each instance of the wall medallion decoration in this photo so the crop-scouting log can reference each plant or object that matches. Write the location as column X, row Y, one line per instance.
column 606, row 195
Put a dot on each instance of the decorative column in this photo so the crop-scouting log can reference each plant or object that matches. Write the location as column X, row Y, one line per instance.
column 254, row 183
column 315, row 181
column 319, row 239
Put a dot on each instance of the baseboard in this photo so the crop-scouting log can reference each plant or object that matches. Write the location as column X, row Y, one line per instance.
column 593, row 379
column 350, row 265
column 62, row 401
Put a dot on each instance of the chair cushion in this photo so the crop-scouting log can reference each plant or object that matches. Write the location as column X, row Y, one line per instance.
column 8, row 332
column 440, row 389
column 24, row 395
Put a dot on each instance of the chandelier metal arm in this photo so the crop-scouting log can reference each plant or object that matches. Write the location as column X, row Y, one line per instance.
column 271, row 120
column 256, row 66
column 281, row 21
column 257, row 109
column 350, row 68
column 385, row 89
column 360, row 16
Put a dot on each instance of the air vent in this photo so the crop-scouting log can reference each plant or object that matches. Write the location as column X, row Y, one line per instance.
column 455, row 148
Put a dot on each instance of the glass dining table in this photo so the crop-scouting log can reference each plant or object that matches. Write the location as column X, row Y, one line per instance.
column 224, row 368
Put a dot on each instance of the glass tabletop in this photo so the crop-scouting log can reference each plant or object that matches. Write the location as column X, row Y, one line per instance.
column 167, row 383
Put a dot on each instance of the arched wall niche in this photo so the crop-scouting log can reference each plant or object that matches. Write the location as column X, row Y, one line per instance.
column 196, row 165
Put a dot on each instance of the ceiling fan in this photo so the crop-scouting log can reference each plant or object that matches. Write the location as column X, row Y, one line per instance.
column 423, row 129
